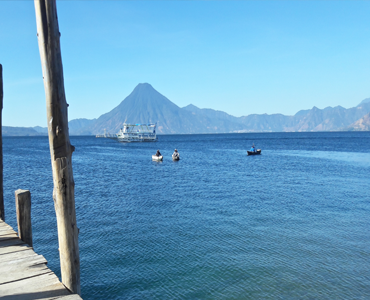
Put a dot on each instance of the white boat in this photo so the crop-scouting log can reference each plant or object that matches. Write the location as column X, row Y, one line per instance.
column 176, row 157
column 157, row 158
column 137, row 133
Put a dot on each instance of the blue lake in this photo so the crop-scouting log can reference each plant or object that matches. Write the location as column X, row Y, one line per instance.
column 291, row 223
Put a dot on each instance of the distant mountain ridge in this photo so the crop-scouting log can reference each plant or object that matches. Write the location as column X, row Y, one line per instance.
column 146, row 105
column 367, row 100
column 21, row 131
column 362, row 124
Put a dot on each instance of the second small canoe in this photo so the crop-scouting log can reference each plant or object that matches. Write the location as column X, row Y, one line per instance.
column 176, row 157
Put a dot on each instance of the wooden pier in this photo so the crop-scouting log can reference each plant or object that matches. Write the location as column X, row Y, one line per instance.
column 24, row 274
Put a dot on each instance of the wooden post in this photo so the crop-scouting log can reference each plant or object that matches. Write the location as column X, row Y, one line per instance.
column 60, row 146
column 23, row 207
column 2, row 212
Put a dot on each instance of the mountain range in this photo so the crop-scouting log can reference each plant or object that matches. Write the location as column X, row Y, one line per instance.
column 146, row 105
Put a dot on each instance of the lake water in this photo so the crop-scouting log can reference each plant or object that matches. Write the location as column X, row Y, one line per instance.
column 291, row 223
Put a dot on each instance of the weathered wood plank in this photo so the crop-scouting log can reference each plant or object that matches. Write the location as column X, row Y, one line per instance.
column 14, row 248
column 13, row 256
column 7, row 231
column 45, row 286
column 5, row 238
column 70, row 297
column 23, row 268
column 4, row 225
column 4, row 229
column 8, row 235
column 11, row 242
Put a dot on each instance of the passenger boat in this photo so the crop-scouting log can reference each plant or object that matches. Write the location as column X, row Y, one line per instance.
column 137, row 133
column 157, row 158
column 254, row 153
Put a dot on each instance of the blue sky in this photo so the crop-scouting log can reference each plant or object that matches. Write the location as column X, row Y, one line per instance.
column 241, row 57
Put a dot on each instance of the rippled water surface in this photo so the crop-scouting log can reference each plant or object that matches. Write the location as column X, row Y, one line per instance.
column 291, row 223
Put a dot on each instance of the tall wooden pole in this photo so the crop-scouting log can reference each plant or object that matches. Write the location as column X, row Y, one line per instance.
column 2, row 212
column 60, row 146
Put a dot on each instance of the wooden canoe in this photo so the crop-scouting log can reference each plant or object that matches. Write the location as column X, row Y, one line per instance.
column 254, row 153
column 157, row 158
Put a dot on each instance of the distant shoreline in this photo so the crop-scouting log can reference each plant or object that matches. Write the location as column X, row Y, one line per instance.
column 30, row 132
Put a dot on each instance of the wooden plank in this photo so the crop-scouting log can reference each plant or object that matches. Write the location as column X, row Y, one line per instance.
column 6, row 228
column 23, row 268
column 8, row 235
column 3, row 229
column 70, row 297
column 11, row 242
column 14, row 248
column 45, row 286
column 5, row 232
column 4, row 225
column 6, row 238
column 13, row 256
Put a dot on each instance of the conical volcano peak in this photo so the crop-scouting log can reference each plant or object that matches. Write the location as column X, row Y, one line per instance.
column 144, row 92
column 143, row 87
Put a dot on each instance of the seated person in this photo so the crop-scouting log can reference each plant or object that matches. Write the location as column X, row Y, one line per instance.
column 158, row 153
column 253, row 149
column 176, row 154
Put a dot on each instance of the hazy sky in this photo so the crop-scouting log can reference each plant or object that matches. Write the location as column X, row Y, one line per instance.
column 241, row 57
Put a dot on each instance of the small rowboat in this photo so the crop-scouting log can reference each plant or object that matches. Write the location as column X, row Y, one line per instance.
column 254, row 153
column 157, row 158
column 175, row 157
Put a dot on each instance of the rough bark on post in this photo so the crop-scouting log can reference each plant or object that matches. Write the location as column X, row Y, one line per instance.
column 60, row 146
column 2, row 212
column 23, row 207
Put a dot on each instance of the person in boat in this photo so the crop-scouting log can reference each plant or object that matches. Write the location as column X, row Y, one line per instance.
column 253, row 149
column 176, row 154
column 158, row 153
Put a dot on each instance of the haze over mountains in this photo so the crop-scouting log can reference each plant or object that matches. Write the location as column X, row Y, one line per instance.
column 146, row 105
